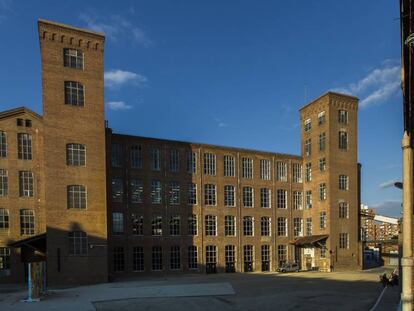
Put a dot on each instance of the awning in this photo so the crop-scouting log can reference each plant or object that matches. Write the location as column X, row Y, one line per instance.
column 37, row 242
column 309, row 241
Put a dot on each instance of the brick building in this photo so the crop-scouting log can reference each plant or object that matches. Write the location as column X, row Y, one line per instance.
column 97, row 204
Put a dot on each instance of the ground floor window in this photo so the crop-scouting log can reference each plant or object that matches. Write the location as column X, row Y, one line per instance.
column 119, row 260
column 230, row 257
column 343, row 240
column 4, row 258
column 265, row 257
column 138, row 258
column 78, row 243
column 281, row 254
column 156, row 258
column 248, row 258
column 211, row 259
column 175, row 258
column 192, row 257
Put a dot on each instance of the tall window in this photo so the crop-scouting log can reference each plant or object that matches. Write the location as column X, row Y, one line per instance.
column 248, row 226
column 343, row 210
column 75, row 154
column 309, row 226
column 192, row 194
column 228, row 166
column 74, row 93
column 248, row 254
column 297, row 200
column 136, row 156
column 265, row 256
column 209, row 164
column 229, row 195
column 3, row 144
column 155, row 159
column 209, row 194
column 322, row 191
column 156, row 225
column 117, row 187
column 175, row 257
column 116, row 155
column 322, row 164
column 138, row 258
column 308, row 147
column 343, row 140
column 4, row 220
column 175, row 225
column 281, row 171
column 265, row 169
column 343, row 116
column 282, row 226
column 265, row 197
column 26, row 184
column 308, row 172
column 192, row 257
column 78, row 243
column 4, row 183
column 27, row 222
column 281, row 198
column 322, row 141
column 192, row 224
column 174, row 160
column 281, row 254
column 137, row 223
column 308, row 199
column 211, row 254
column 191, row 162
column 343, row 182
column 229, row 225
column 174, row 193
column 344, row 240
column 76, row 196
column 297, row 226
column 307, row 125
column 73, row 58
column 247, row 168
column 265, row 226
column 297, row 172
column 4, row 258
column 322, row 220
column 24, row 146
column 136, row 187
column 211, row 225
column 247, row 196
column 321, row 117
column 118, row 223
column 230, row 254
column 119, row 259
column 156, row 264
column 156, row 192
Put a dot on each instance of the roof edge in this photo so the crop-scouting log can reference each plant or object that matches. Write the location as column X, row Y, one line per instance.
column 83, row 30
column 19, row 110
column 327, row 94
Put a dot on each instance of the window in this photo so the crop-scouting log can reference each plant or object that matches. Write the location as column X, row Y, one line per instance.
column 343, row 140
column 281, row 198
column 229, row 225
column 210, row 164
column 297, row 226
column 175, row 225
column 322, row 164
column 307, row 125
column 174, row 193
column 308, row 172
column 297, row 172
column 265, row 226
column 137, row 190
column 73, row 58
column 27, row 222
column 26, row 184
column 138, row 258
column 192, row 224
column 308, row 199
column 137, row 222
column 228, row 166
column 265, row 198
column 136, row 156
column 156, row 258
column 247, row 168
column 175, row 258
column 76, row 196
column 322, row 141
column 191, row 162
column 308, row 226
column 174, row 160
column 265, row 169
column 210, row 194
column 19, row 122
column 230, row 254
column 156, row 192
column 119, row 260
column 156, row 225
column 78, row 243
column 192, row 194
column 24, row 146
column 343, row 182
column 155, row 159
column 322, row 220
column 323, row 249
column 3, row 144
column 308, row 146
column 343, row 116
column 192, row 257
column 4, row 258
column 118, row 223
column 211, row 254
column 75, row 154
column 281, row 171
column 321, row 118
column 28, row 123
column 343, row 210
column 247, row 196
column 229, row 195
column 265, row 256
column 210, row 223
column 116, row 155
column 248, row 226
column 282, row 226
column 322, row 191
column 4, row 183
column 281, row 254
column 343, row 241
column 248, row 253
column 4, row 220
column 117, row 186
column 297, row 200
column 74, row 94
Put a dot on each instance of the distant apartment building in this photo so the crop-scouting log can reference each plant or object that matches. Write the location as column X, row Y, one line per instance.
column 377, row 227
column 96, row 204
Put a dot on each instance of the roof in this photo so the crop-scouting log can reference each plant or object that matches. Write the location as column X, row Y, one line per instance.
column 327, row 94
column 18, row 111
column 95, row 33
column 309, row 240
column 37, row 242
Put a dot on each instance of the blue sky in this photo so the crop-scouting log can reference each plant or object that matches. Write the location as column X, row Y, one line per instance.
column 230, row 72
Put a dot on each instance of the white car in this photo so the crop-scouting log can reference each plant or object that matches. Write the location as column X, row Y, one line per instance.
column 289, row 267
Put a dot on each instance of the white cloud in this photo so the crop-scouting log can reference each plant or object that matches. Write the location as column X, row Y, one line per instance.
column 390, row 208
column 220, row 123
column 387, row 184
column 118, row 106
column 117, row 78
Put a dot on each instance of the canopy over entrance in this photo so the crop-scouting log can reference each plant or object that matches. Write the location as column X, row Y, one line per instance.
column 310, row 241
column 32, row 248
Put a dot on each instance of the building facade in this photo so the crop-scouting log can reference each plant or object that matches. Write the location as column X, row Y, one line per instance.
column 98, row 205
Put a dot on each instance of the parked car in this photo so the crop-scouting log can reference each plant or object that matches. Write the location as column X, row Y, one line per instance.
column 289, row 267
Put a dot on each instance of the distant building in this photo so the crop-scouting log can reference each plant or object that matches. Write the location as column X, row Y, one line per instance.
column 376, row 227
